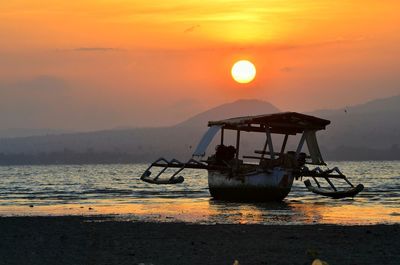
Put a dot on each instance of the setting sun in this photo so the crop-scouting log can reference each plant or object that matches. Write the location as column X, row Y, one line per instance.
column 243, row 71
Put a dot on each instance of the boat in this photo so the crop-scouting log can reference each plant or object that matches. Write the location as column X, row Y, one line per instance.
column 266, row 175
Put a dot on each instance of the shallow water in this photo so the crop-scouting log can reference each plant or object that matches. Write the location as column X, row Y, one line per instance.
column 116, row 190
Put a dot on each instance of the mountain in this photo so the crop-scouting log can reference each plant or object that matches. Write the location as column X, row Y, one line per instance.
column 25, row 132
column 382, row 105
column 124, row 145
column 244, row 107
column 362, row 132
column 373, row 125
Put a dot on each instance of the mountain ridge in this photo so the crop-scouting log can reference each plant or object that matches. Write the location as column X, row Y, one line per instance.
column 352, row 134
column 391, row 103
column 242, row 107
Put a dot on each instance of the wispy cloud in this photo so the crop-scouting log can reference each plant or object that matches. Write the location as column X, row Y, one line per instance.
column 191, row 29
column 287, row 69
column 328, row 42
column 266, row 47
column 96, row 49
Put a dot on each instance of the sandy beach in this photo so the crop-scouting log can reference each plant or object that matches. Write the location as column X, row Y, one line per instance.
column 99, row 240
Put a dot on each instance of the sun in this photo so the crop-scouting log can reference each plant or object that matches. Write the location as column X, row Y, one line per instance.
column 243, row 71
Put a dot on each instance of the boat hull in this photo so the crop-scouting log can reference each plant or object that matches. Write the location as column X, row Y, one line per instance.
column 263, row 186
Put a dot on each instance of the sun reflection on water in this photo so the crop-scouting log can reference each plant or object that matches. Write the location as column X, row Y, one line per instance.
column 207, row 211
column 115, row 190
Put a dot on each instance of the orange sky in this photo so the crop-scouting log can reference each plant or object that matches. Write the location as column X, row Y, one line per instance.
column 95, row 64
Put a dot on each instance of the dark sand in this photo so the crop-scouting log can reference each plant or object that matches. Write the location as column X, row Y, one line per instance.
column 80, row 240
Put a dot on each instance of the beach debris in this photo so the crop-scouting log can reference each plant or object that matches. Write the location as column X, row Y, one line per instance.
column 90, row 208
column 236, row 262
column 31, row 205
column 312, row 252
column 319, row 262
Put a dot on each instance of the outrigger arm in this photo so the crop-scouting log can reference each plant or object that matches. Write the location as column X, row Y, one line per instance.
column 226, row 161
column 327, row 175
column 309, row 137
column 174, row 163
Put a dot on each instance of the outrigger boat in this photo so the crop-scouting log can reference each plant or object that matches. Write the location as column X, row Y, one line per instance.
column 272, row 176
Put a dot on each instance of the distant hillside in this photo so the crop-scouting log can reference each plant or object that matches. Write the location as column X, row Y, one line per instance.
column 362, row 132
column 125, row 145
column 25, row 132
column 389, row 105
column 373, row 125
column 229, row 110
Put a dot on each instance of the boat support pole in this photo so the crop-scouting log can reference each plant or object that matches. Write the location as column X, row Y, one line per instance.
column 237, row 143
column 348, row 182
column 331, row 184
column 270, row 146
column 316, row 181
column 345, row 178
column 265, row 147
column 301, row 143
column 161, row 172
column 284, row 143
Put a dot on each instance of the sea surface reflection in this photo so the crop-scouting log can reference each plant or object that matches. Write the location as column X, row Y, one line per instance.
column 114, row 191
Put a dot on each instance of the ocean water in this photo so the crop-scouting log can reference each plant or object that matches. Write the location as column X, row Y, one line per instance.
column 115, row 191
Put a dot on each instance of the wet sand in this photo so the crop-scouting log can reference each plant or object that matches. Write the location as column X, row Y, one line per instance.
column 95, row 240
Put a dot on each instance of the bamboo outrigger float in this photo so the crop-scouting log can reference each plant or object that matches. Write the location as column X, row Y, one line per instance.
column 271, row 178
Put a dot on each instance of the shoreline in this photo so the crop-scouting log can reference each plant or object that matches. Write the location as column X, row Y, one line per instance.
column 205, row 211
column 99, row 240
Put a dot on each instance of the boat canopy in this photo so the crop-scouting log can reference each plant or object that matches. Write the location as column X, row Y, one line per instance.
column 281, row 123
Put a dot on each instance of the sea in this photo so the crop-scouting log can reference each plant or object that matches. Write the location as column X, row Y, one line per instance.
column 115, row 192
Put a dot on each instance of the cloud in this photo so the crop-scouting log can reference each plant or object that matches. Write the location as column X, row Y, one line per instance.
column 96, row 49
column 191, row 29
column 287, row 69
column 270, row 47
column 329, row 42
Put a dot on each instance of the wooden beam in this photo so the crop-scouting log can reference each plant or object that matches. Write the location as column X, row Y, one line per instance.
column 193, row 166
column 270, row 145
column 265, row 147
column 246, row 128
column 254, row 157
column 261, row 152
column 301, row 143
column 237, row 143
column 284, row 143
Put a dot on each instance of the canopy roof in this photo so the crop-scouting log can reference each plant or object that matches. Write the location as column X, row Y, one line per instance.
column 282, row 123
